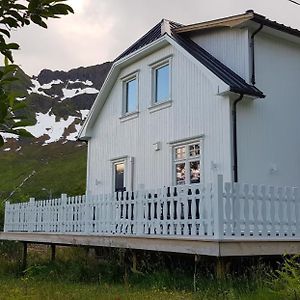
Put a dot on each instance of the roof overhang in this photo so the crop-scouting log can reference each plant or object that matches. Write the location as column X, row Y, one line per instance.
column 231, row 21
column 248, row 19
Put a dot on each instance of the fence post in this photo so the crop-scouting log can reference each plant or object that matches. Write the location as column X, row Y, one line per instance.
column 218, row 212
column 63, row 210
column 31, row 215
column 6, row 221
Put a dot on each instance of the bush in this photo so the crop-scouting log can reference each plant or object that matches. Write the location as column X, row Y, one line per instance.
column 285, row 281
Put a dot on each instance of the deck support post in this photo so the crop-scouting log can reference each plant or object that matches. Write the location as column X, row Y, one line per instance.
column 24, row 258
column 220, row 268
column 195, row 271
column 53, row 252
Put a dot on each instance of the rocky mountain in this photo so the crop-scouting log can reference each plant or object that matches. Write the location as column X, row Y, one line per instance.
column 53, row 162
column 58, row 101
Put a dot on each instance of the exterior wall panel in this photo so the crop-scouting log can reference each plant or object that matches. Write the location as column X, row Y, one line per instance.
column 268, row 129
column 196, row 109
column 228, row 45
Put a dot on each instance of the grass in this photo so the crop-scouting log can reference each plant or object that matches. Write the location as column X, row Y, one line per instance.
column 76, row 275
column 61, row 169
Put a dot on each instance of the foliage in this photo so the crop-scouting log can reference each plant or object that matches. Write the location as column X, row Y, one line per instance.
column 15, row 14
column 56, row 168
column 285, row 281
column 76, row 274
column 9, row 105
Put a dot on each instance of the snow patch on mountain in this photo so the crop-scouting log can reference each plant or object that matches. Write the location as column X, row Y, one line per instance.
column 46, row 124
column 7, row 136
column 70, row 93
column 84, row 113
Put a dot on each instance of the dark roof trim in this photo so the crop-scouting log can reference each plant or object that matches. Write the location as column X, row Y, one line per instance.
column 237, row 20
column 236, row 83
column 273, row 24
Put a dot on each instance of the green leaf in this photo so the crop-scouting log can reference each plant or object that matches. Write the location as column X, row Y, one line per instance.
column 62, row 9
column 18, row 6
column 8, row 80
column 11, row 22
column 6, row 32
column 1, row 141
column 19, row 105
column 23, row 123
column 12, row 46
column 6, row 62
column 3, row 110
column 21, row 132
column 38, row 20
column 33, row 4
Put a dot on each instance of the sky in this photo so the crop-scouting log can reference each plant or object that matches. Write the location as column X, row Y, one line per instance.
column 101, row 29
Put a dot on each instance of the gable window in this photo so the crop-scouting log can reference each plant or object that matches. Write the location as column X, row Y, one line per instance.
column 162, row 86
column 161, row 81
column 187, row 163
column 130, row 94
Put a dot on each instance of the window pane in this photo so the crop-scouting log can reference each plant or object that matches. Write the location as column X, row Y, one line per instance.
column 119, row 177
column 180, row 173
column 194, row 150
column 162, row 83
column 131, row 96
column 195, row 171
column 180, row 153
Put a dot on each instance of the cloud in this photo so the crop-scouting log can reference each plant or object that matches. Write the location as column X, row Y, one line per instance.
column 100, row 30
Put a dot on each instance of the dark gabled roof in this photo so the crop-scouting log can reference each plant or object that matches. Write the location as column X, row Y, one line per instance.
column 237, row 84
column 273, row 24
column 153, row 34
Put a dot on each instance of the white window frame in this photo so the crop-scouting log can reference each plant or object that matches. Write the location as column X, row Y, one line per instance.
column 186, row 143
column 128, row 171
column 125, row 80
column 154, row 66
column 115, row 162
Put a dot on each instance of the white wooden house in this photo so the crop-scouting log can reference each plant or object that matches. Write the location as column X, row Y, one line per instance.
column 183, row 109
column 165, row 113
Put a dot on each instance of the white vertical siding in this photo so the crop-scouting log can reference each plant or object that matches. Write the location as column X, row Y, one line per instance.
column 228, row 45
column 269, row 129
column 195, row 110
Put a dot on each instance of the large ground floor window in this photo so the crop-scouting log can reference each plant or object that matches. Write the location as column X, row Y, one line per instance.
column 187, row 163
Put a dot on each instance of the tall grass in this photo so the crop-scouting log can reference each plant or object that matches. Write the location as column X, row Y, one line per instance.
column 108, row 277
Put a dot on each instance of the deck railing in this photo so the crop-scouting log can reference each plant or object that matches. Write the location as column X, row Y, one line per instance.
column 217, row 210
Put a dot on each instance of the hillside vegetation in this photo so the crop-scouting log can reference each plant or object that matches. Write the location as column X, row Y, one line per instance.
column 56, row 169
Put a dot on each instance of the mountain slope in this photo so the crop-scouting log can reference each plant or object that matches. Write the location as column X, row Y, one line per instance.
column 53, row 162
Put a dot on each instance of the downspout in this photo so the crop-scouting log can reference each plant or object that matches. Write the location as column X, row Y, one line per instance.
column 253, row 52
column 234, row 138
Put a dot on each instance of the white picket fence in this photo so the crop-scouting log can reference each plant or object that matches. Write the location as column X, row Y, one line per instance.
column 217, row 210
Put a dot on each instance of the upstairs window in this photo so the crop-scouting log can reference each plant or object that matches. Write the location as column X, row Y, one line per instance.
column 130, row 94
column 161, row 81
column 187, row 163
column 162, row 84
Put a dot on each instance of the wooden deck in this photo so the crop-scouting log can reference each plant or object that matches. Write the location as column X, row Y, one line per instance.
column 210, row 247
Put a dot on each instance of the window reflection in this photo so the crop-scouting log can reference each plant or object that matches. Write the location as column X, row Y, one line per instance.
column 131, row 96
column 162, row 92
column 180, row 173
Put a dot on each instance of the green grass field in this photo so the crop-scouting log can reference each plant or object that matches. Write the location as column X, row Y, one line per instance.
column 61, row 169
column 76, row 275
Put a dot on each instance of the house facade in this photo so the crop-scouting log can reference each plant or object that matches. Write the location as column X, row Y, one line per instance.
column 185, row 103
